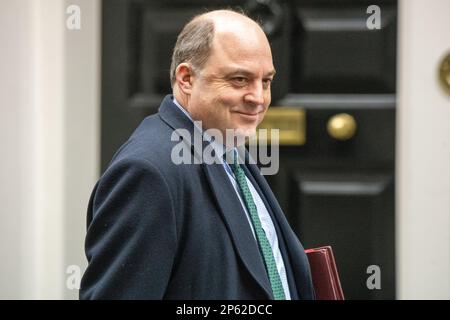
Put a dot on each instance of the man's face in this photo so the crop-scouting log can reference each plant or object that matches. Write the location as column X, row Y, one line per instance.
column 232, row 91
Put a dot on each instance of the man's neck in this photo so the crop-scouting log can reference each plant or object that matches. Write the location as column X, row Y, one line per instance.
column 217, row 144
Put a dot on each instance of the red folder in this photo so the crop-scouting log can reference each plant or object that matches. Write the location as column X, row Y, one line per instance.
column 324, row 274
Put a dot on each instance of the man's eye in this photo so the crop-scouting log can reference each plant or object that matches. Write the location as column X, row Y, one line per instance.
column 267, row 82
column 240, row 80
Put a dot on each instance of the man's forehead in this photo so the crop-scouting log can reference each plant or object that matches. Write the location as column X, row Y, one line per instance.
column 233, row 43
column 237, row 29
column 234, row 55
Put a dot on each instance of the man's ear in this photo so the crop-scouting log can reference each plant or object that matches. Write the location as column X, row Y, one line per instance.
column 184, row 76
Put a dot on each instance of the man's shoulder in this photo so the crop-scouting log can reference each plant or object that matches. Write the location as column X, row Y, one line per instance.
column 150, row 141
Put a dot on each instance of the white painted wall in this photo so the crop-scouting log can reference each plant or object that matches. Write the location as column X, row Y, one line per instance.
column 82, row 124
column 49, row 131
column 423, row 153
column 15, row 131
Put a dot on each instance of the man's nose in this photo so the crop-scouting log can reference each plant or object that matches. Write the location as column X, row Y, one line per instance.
column 256, row 94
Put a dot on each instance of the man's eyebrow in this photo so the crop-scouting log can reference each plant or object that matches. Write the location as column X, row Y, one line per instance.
column 232, row 72
column 249, row 73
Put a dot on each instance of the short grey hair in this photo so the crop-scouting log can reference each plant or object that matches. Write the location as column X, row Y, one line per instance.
column 193, row 45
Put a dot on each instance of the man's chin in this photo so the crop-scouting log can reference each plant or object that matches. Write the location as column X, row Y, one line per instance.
column 245, row 132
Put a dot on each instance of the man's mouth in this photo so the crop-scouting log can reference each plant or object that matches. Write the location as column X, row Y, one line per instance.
column 248, row 113
column 250, row 116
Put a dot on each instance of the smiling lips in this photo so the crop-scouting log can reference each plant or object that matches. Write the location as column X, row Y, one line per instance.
column 249, row 116
column 252, row 117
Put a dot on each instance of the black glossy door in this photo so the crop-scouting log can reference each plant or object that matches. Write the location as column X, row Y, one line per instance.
column 338, row 193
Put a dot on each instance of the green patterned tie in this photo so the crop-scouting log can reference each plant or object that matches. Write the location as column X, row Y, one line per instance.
column 264, row 245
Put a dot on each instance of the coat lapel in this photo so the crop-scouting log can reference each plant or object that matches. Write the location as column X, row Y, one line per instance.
column 237, row 224
column 294, row 248
column 274, row 213
column 226, row 198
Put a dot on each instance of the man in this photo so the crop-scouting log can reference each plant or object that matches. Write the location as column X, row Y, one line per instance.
column 161, row 230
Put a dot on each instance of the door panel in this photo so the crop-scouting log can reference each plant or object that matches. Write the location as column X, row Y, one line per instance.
column 352, row 212
column 335, row 52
